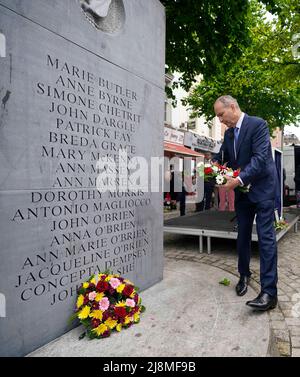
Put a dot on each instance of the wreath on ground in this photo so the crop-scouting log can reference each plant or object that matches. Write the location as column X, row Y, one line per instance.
column 105, row 303
column 281, row 224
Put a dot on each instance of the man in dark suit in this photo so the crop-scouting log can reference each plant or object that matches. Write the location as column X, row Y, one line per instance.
column 247, row 146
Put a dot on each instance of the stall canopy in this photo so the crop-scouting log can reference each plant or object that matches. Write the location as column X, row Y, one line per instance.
column 180, row 149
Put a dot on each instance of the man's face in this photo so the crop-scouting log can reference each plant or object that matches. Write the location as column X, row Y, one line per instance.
column 227, row 114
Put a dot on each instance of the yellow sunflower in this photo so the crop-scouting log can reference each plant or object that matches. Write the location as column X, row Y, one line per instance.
column 120, row 288
column 97, row 314
column 80, row 301
column 111, row 323
column 84, row 313
column 100, row 329
column 120, row 303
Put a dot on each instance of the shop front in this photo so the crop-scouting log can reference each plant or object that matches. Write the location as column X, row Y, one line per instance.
column 201, row 144
column 182, row 160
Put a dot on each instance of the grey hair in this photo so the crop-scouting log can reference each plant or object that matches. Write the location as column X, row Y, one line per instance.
column 227, row 100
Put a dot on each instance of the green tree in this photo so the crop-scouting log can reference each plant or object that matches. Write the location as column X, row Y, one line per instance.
column 202, row 34
column 265, row 78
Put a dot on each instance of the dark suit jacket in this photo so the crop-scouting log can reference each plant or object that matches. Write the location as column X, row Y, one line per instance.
column 254, row 157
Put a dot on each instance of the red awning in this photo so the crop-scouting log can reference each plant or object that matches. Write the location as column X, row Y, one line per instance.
column 180, row 149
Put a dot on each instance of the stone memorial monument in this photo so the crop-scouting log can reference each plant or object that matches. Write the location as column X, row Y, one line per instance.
column 79, row 80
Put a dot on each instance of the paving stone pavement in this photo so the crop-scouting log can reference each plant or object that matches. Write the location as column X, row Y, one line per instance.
column 285, row 319
column 186, row 316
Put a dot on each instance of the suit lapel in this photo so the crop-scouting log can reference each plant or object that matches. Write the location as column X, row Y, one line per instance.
column 242, row 133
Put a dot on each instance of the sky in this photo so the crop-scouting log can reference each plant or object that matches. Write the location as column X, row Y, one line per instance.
column 294, row 130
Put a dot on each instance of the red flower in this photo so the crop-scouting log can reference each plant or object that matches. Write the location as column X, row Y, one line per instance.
column 95, row 323
column 128, row 290
column 236, row 173
column 136, row 298
column 102, row 286
column 86, row 300
column 105, row 315
column 120, row 311
column 208, row 171
column 106, row 334
column 111, row 290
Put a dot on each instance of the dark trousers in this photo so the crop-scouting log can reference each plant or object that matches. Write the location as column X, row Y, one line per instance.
column 182, row 200
column 206, row 202
column 264, row 211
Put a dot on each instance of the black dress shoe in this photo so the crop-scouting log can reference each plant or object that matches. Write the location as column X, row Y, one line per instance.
column 263, row 302
column 242, row 286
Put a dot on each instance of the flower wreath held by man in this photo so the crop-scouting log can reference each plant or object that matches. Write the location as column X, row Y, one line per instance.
column 247, row 146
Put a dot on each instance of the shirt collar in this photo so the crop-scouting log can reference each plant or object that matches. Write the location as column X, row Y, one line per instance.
column 240, row 121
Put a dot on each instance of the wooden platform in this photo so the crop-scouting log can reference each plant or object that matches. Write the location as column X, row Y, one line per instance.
column 217, row 224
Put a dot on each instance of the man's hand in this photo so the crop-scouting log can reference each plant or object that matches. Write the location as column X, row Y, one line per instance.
column 231, row 183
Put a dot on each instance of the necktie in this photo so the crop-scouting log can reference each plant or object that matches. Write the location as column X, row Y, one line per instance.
column 236, row 138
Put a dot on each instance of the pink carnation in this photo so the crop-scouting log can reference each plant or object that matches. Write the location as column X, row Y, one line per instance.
column 114, row 282
column 104, row 304
column 92, row 296
column 130, row 303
